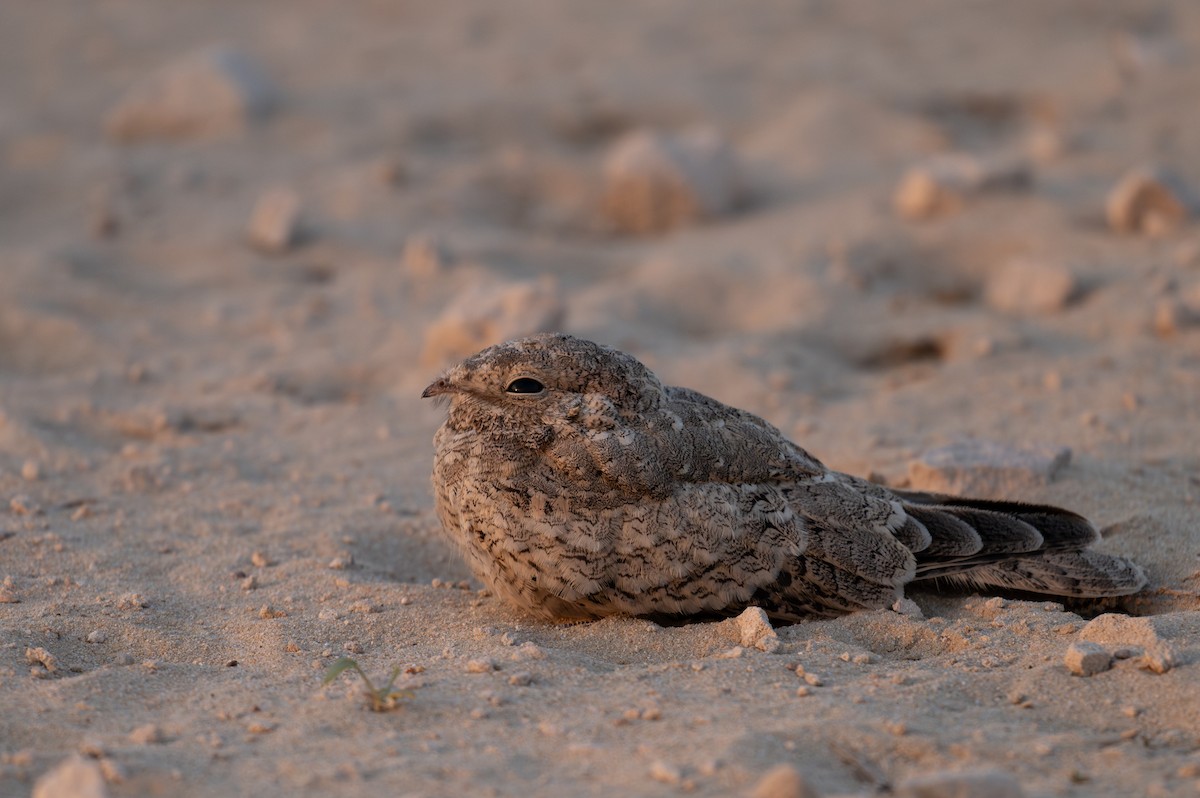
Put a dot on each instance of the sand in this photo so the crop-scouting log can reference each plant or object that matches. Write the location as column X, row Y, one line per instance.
column 214, row 463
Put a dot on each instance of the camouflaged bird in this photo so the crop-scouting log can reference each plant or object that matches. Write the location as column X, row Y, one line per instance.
column 577, row 485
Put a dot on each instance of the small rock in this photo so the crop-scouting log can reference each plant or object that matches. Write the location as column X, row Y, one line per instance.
column 966, row 784
column 756, row 630
column 1087, row 659
column 943, row 184
column 211, row 93
column 365, row 607
column 1172, row 314
column 423, row 258
column 250, row 583
column 92, row 748
column 74, row 777
column 97, row 636
column 1147, row 202
column 341, row 563
column 1159, row 658
column 146, row 734
column 31, row 471
column 783, row 781
column 132, row 601
column 665, row 772
column 40, row 656
column 907, row 607
column 984, row 468
column 103, row 219
column 266, row 612
column 654, row 182
column 1025, row 286
column 482, row 665
column 275, row 222
column 1124, row 630
column 23, row 505
column 488, row 315
column 521, row 679
column 113, row 773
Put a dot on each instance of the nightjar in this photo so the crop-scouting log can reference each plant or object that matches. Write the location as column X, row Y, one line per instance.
column 577, row 485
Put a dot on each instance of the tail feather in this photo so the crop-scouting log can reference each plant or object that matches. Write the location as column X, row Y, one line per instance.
column 1086, row 574
column 950, row 536
column 1000, row 533
column 1028, row 547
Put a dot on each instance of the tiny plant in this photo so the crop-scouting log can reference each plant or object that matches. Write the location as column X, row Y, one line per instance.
column 381, row 699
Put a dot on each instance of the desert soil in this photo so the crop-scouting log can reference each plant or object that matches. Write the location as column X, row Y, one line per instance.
column 214, row 464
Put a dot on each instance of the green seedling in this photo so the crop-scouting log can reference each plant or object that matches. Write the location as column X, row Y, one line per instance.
column 381, row 699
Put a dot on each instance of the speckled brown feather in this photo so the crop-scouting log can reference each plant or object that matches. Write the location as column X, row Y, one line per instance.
column 608, row 492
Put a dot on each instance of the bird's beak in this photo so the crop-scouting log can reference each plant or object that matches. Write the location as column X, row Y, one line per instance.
column 440, row 387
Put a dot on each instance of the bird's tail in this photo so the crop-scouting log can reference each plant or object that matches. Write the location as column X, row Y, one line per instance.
column 1010, row 545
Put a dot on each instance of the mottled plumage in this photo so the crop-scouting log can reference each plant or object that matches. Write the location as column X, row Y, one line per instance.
column 577, row 485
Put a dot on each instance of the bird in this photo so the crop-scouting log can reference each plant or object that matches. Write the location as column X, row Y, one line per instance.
column 577, row 485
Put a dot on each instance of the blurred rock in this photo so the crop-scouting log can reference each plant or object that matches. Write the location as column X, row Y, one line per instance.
column 1087, row 659
column 941, row 185
column 490, row 314
column 423, row 258
column 783, row 781
column 1153, row 637
column 1024, row 286
column 654, row 182
column 1159, row 658
column 1146, row 201
column 1145, row 631
column 275, row 222
column 985, row 468
column 1172, row 314
column 214, row 92
column 966, row 784
column 74, row 777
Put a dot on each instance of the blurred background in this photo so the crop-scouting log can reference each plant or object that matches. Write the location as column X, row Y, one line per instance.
column 780, row 203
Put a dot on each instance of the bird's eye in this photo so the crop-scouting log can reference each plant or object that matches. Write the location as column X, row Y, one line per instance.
column 525, row 385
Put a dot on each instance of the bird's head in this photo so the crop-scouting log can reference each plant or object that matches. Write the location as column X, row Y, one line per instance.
column 526, row 387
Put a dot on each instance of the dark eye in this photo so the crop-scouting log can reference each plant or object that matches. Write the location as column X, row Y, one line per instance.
column 525, row 385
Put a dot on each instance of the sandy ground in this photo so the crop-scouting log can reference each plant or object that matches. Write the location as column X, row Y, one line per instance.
column 214, row 465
